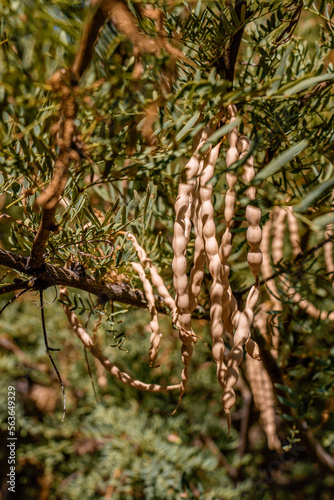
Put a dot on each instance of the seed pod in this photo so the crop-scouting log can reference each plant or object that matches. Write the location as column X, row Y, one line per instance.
column 214, row 264
column 278, row 232
column 232, row 156
column 197, row 272
column 276, row 304
column 154, row 324
column 156, row 278
column 110, row 367
column 235, row 356
column 253, row 214
column 183, row 209
column 293, row 232
column 263, row 395
column 328, row 254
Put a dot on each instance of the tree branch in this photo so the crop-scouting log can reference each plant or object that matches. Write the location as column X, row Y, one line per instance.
column 51, row 275
column 64, row 83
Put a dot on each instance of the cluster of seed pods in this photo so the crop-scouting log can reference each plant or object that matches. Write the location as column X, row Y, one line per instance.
column 193, row 206
column 272, row 247
column 239, row 148
column 182, row 228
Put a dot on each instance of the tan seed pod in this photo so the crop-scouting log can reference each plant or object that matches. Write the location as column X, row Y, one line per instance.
column 235, row 356
column 263, row 395
column 197, row 272
column 293, row 232
column 232, row 156
column 253, row 214
column 183, row 210
column 214, row 263
column 154, row 324
column 110, row 367
column 156, row 278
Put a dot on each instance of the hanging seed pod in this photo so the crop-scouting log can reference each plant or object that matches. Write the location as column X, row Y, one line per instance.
column 293, row 232
column 214, row 263
column 197, row 271
column 235, row 356
column 110, row 367
column 182, row 209
column 278, row 229
column 155, row 276
column 253, row 214
column 232, row 156
column 263, row 395
column 154, row 324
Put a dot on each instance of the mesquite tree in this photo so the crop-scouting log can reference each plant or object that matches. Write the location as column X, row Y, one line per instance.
column 177, row 157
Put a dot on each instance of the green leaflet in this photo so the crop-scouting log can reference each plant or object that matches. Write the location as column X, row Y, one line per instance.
column 188, row 126
column 279, row 162
column 324, row 220
column 313, row 195
column 310, row 82
column 219, row 134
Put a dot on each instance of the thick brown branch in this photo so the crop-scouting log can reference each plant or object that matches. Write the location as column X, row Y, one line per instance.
column 52, row 275
column 47, row 225
column 63, row 82
column 226, row 62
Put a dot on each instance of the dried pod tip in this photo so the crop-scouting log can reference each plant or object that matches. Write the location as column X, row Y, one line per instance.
column 177, row 406
column 228, row 418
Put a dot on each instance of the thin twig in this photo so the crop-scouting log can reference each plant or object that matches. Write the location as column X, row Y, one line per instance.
column 48, row 349
column 12, row 300
column 90, row 374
